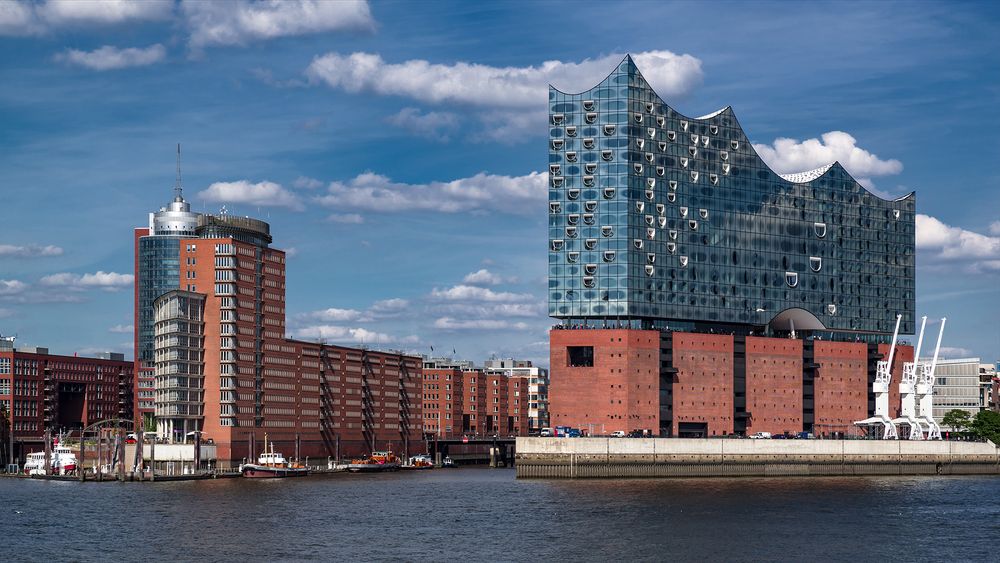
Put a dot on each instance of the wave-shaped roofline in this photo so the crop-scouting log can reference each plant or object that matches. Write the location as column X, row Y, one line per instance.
column 826, row 168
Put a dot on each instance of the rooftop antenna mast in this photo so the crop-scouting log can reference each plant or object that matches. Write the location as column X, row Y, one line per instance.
column 178, row 189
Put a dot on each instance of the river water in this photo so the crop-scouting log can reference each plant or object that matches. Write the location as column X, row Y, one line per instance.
column 484, row 514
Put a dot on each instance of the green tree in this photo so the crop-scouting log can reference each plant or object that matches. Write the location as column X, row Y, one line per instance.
column 957, row 419
column 986, row 425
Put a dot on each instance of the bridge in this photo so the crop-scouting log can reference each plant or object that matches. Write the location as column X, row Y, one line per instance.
column 472, row 449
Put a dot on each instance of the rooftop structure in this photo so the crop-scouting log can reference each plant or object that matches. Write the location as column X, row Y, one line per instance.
column 662, row 221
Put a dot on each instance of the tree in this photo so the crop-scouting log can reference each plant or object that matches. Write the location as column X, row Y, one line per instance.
column 986, row 425
column 957, row 419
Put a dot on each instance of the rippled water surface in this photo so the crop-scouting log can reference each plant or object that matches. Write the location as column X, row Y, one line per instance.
column 488, row 515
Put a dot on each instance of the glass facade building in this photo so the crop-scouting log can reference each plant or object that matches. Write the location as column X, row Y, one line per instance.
column 659, row 220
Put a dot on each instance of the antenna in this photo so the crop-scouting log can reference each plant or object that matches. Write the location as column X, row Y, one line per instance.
column 178, row 190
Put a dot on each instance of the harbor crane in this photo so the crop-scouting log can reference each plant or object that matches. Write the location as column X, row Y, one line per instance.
column 907, row 390
column 883, row 376
column 925, row 390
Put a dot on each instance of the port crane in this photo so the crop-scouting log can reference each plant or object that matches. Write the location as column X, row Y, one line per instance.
column 925, row 390
column 883, row 376
column 907, row 390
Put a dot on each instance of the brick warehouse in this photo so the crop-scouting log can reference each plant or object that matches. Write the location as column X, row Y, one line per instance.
column 700, row 293
column 59, row 394
column 689, row 385
column 213, row 357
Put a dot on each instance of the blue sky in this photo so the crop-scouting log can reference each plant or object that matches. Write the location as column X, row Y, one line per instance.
column 398, row 149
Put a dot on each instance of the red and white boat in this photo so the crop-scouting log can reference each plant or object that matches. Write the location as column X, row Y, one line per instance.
column 63, row 461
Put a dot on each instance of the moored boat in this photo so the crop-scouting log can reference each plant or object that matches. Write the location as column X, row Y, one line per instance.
column 421, row 461
column 378, row 461
column 271, row 464
column 62, row 461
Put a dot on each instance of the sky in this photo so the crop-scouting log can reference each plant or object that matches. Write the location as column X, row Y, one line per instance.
column 398, row 149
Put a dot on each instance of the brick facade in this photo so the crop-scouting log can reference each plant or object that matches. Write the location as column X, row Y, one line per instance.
column 703, row 385
column 774, row 385
column 841, row 386
column 619, row 392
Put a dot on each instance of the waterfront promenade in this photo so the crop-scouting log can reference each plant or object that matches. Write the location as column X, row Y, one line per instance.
column 707, row 457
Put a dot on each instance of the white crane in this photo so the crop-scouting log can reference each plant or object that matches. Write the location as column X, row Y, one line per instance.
column 908, row 401
column 925, row 390
column 883, row 376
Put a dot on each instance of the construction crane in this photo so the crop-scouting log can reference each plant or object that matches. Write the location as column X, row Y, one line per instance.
column 907, row 388
column 925, row 390
column 883, row 376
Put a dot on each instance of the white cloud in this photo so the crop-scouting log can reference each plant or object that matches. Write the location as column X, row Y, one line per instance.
column 346, row 218
column 951, row 352
column 12, row 287
column 19, row 18
column 389, row 307
column 334, row 333
column 448, row 323
column 492, row 310
column 995, row 228
column 306, row 183
column 111, row 58
column 333, row 315
column 238, row 22
column 122, row 329
column 32, row 18
column 670, row 74
column 942, row 245
column 482, row 192
column 434, row 125
column 482, row 294
column 108, row 281
column 60, row 12
column 29, row 251
column 262, row 194
column 291, row 252
column 509, row 100
column 789, row 155
column 485, row 277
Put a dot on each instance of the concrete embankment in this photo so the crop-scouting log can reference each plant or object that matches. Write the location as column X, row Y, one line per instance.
column 683, row 457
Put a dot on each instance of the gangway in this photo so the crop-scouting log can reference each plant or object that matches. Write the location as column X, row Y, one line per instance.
column 925, row 391
column 908, row 402
column 883, row 376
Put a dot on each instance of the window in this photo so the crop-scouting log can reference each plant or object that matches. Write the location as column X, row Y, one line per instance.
column 573, row 193
column 608, row 155
column 590, row 269
column 580, row 356
column 588, row 181
column 588, row 218
column 571, row 156
column 5, row 368
column 590, row 244
column 609, row 256
column 557, row 245
column 609, row 193
column 590, row 205
column 571, row 131
column 819, row 229
column 792, row 279
column 609, row 130
column 557, row 144
column 684, row 261
column 588, row 281
column 557, row 181
column 590, row 167
column 816, row 263
column 588, row 143
column 588, row 105
column 650, row 270
column 558, row 118
column 555, row 207
column 639, row 143
column 573, row 218
column 607, row 231
column 591, row 117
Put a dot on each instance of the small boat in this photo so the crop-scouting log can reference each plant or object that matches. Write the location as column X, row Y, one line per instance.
column 421, row 461
column 378, row 461
column 62, row 461
column 271, row 464
column 448, row 462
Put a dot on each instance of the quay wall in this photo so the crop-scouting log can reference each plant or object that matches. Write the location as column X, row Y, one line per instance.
column 711, row 457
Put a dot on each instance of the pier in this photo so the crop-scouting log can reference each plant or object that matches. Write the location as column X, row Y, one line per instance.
column 571, row 458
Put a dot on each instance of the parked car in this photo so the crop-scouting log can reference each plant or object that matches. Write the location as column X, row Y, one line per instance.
column 618, row 434
column 761, row 436
column 545, row 433
column 804, row 436
column 573, row 433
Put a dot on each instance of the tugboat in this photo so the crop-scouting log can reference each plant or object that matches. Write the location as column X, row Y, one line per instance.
column 271, row 464
column 378, row 461
column 421, row 461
